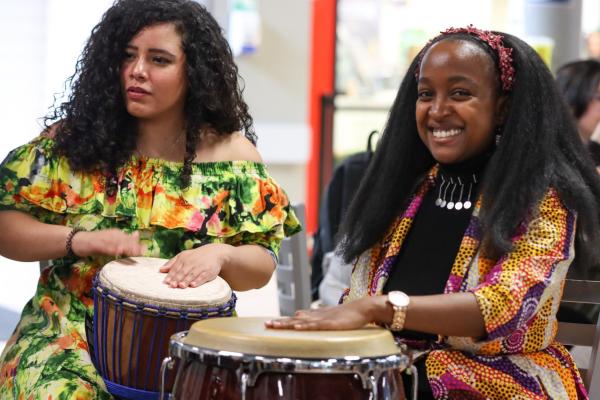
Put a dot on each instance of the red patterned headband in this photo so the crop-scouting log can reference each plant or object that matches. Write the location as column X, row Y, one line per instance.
column 505, row 61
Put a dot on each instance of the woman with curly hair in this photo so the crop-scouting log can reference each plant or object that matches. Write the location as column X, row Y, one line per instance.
column 477, row 200
column 153, row 154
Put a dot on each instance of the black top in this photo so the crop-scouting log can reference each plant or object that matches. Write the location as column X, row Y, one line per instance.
column 429, row 250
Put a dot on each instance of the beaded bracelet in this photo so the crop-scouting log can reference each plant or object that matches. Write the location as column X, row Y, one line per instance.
column 69, row 243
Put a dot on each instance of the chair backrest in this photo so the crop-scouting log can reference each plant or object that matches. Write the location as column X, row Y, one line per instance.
column 293, row 271
column 45, row 264
column 582, row 334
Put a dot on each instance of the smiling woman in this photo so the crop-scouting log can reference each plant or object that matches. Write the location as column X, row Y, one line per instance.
column 458, row 104
column 476, row 202
column 153, row 154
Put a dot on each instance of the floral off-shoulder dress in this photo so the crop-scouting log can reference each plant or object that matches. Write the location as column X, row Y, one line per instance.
column 234, row 202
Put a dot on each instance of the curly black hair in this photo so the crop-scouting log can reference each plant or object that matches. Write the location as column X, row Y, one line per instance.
column 95, row 130
column 540, row 148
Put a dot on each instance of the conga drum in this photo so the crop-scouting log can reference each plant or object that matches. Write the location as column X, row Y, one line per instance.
column 238, row 358
column 135, row 314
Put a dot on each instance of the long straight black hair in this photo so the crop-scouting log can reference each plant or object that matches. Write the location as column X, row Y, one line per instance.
column 540, row 148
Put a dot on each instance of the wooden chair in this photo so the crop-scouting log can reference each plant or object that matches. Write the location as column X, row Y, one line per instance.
column 293, row 271
column 580, row 334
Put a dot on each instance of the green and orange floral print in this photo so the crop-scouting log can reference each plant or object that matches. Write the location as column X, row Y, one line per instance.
column 234, row 202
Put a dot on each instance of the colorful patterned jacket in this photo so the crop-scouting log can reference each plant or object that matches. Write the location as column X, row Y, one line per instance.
column 518, row 295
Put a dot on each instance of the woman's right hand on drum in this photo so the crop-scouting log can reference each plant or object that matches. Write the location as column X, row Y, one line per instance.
column 109, row 242
column 353, row 315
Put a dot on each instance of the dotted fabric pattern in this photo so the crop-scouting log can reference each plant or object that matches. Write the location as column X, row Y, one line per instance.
column 518, row 295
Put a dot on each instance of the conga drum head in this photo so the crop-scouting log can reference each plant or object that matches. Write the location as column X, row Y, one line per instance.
column 232, row 358
column 250, row 336
column 135, row 314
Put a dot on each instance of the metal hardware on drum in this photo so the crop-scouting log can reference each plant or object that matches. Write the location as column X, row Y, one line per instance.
column 415, row 381
column 167, row 363
column 244, row 384
column 249, row 367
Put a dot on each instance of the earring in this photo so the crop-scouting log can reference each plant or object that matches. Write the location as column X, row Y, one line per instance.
column 498, row 137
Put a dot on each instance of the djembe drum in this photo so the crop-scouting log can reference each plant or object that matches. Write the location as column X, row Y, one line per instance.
column 238, row 358
column 135, row 314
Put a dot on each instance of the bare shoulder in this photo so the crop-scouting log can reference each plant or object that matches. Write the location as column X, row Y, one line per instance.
column 242, row 149
column 232, row 147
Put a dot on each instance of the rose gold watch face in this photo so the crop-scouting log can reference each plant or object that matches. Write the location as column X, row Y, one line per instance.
column 398, row 299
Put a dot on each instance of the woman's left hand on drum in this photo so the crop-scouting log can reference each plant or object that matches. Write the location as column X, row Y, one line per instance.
column 352, row 315
column 192, row 268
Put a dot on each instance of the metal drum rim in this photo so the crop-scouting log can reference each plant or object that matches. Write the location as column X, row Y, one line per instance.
column 181, row 350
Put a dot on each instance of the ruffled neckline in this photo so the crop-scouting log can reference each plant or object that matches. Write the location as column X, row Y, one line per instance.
column 200, row 165
column 225, row 197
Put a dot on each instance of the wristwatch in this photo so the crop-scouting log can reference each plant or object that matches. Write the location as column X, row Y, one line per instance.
column 399, row 301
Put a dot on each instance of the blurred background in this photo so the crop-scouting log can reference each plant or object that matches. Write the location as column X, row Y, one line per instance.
column 319, row 75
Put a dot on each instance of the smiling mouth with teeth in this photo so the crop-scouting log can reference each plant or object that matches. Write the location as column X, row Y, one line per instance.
column 439, row 133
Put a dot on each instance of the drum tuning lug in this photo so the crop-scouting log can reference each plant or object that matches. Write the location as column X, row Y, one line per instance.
column 166, row 364
column 373, row 383
column 415, row 381
column 243, row 384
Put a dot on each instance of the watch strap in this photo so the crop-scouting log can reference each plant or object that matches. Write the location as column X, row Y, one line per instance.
column 398, row 318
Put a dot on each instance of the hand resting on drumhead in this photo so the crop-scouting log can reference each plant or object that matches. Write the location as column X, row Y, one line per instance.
column 353, row 315
column 192, row 268
column 455, row 314
column 243, row 267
